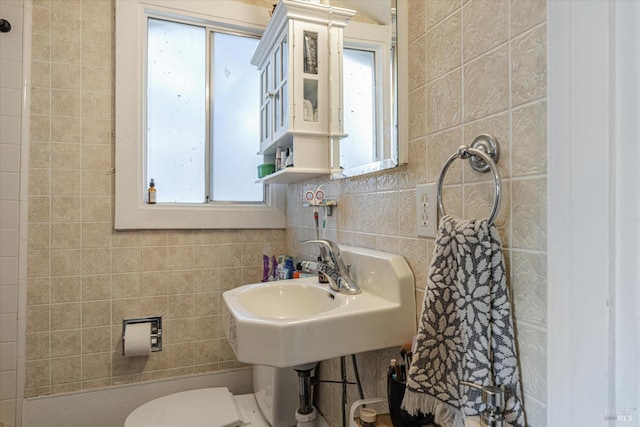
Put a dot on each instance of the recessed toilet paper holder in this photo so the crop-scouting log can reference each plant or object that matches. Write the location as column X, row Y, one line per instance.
column 156, row 330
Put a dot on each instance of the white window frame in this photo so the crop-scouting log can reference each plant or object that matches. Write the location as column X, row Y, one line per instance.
column 131, row 212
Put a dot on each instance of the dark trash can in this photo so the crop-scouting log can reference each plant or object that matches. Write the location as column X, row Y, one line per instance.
column 400, row 417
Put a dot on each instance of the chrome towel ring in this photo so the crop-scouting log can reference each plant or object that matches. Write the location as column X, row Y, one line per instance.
column 483, row 155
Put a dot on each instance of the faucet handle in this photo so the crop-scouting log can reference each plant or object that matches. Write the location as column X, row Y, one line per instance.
column 493, row 397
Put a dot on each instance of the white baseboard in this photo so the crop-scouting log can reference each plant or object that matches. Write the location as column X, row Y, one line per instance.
column 110, row 406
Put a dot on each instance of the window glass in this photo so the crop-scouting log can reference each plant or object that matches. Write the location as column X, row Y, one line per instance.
column 359, row 109
column 236, row 120
column 176, row 114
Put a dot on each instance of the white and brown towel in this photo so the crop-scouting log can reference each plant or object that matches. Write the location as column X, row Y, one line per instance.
column 466, row 328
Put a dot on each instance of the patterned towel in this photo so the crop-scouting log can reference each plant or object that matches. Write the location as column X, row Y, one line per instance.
column 466, row 293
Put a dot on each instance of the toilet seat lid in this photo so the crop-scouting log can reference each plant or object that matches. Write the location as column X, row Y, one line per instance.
column 207, row 407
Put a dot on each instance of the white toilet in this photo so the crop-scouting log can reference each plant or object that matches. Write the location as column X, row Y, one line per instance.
column 273, row 404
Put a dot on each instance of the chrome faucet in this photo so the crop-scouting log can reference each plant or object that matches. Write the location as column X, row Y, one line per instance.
column 333, row 267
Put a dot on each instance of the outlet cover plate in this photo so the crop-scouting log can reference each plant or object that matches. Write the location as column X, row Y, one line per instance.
column 426, row 210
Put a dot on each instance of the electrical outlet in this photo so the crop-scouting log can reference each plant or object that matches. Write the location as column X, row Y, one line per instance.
column 426, row 210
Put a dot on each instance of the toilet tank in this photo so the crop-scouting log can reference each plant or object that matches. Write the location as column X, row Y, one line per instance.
column 276, row 391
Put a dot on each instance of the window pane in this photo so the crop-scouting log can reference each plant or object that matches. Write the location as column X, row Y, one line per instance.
column 236, row 120
column 176, row 117
column 359, row 147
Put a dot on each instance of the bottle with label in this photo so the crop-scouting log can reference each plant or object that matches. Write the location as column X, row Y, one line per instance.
column 151, row 193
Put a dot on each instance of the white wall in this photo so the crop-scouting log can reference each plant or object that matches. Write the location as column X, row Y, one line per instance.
column 13, row 160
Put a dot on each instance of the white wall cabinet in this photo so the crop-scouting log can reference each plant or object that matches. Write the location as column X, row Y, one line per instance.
column 300, row 62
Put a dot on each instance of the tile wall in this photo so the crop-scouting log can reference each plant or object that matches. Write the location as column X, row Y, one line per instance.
column 12, row 243
column 84, row 277
column 475, row 66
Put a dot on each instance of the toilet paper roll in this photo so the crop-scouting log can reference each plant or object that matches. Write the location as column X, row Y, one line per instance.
column 137, row 339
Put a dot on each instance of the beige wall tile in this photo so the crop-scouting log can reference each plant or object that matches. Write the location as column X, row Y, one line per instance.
column 97, row 28
column 65, row 343
column 485, row 26
column 417, row 119
column 205, row 351
column 180, row 355
column 97, row 79
column 96, row 235
column 41, row 49
column 66, row 129
column 41, row 19
column 98, row 7
column 65, row 182
column 66, row 209
column 180, row 306
column 96, row 365
column 38, row 263
column 39, row 236
column 66, row 102
column 96, row 208
column 417, row 18
column 124, row 309
column 231, row 255
column 530, row 139
column 97, row 54
column 96, row 287
column 97, row 130
column 97, row 157
column 38, row 346
column 529, row 66
column 529, row 288
column 96, row 313
column 96, row 104
column 66, row 21
column 154, row 258
column 416, row 69
column 66, row 289
column 66, row 76
column 38, row 318
column 40, row 129
column 66, row 262
column 179, row 257
column 124, row 260
column 40, row 71
column 529, row 210
column 40, row 101
column 66, row 50
column 39, row 182
column 125, row 285
column 444, row 43
column 65, row 316
column 38, row 373
column 206, row 256
column 486, row 84
column 96, row 261
column 96, row 183
column 445, row 102
column 440, row 147
column 415, row 172
column 39, row 290
column 153, row 283
column 527, row 13
column 96, row 340
column 65, row 235
column 40, row 155
column 154, row 306
column 436, row 10
column 179, row 282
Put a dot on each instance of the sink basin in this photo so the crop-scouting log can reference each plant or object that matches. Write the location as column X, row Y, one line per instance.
column 287, row 299
column 296, row 322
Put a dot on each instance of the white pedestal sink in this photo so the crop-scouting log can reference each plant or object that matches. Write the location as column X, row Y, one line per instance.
column 295, row 322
